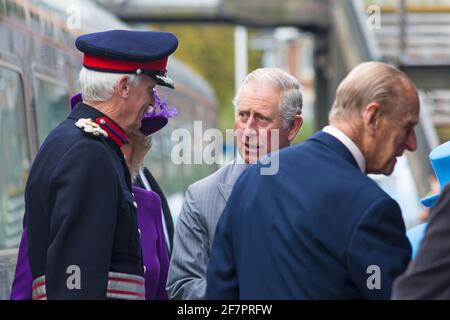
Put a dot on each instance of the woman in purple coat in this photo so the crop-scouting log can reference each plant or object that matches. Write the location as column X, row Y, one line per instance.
column 154, row 249
column 153, row 243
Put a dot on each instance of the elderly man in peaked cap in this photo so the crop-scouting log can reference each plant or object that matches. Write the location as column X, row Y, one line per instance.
column 80, row 211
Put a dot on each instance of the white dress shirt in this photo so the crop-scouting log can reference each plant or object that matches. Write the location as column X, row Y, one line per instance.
column 349, row 144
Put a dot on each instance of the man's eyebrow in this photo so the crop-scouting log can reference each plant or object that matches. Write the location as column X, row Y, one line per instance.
column 259, row 114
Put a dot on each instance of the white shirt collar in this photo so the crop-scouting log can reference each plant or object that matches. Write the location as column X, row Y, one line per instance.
column 148, row 187
column 144, row 179
column 349, row 144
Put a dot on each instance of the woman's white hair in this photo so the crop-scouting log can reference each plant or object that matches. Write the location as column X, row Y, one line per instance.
column 140, row 146
column 291, row 100
column 99, row 86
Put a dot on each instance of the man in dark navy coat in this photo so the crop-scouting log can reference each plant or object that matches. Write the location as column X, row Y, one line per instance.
column 320, row 228
column 80, row 212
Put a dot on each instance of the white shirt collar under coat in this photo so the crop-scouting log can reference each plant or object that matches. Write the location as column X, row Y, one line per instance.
column 349, row 144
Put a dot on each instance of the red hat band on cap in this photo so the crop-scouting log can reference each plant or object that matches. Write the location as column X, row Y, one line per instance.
column 95, row 62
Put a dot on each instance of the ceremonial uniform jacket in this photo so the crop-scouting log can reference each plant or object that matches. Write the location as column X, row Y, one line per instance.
column 83, row 237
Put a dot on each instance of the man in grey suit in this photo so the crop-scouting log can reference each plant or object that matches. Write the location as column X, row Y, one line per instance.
column 268, row 104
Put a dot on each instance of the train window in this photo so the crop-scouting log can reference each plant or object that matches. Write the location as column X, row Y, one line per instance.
column 34, row 20
column 14, row 10
column 14, row 158
column 51, row 106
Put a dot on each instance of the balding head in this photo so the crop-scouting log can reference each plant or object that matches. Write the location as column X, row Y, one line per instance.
column 377, row 106
column 372, row 82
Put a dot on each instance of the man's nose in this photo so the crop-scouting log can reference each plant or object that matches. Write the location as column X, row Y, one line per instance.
column 411, row 142
column 250, row 126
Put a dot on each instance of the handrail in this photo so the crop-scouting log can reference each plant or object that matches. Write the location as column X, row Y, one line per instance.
column 368, row 38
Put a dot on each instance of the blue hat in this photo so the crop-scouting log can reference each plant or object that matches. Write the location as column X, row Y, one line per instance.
column 129, row 52
column 440, row 161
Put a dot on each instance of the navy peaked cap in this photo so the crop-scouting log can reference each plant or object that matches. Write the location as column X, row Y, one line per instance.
column 125, row 51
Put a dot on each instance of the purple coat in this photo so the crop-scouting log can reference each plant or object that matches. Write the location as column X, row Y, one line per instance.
column 154, row 251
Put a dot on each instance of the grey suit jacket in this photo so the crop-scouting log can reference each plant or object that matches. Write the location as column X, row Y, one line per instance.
column 428, row 276
column 195, row 229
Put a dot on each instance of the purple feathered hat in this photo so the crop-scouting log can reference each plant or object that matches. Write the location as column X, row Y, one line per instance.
column 152, row 121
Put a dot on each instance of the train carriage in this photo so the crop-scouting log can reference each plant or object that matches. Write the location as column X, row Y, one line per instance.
column 39, row 67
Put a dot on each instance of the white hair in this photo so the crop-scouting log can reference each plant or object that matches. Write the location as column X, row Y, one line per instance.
column 140, row 146
column 291, row 100
column 99, row 86
column 370, row 82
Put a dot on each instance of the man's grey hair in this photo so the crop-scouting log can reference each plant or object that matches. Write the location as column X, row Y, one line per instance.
column 370, row 82
column 291, row 100
column 99, row 86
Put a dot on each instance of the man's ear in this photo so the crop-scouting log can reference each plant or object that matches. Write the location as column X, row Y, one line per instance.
column 123, row 87
column 371, row 116
column 295, row 126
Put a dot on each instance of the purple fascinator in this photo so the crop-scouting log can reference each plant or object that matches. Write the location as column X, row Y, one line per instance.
column 152, row 121
column 74, row 100
column 158, row 117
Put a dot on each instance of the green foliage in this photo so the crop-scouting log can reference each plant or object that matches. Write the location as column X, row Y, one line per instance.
column 305, row 132
column 209, row 50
